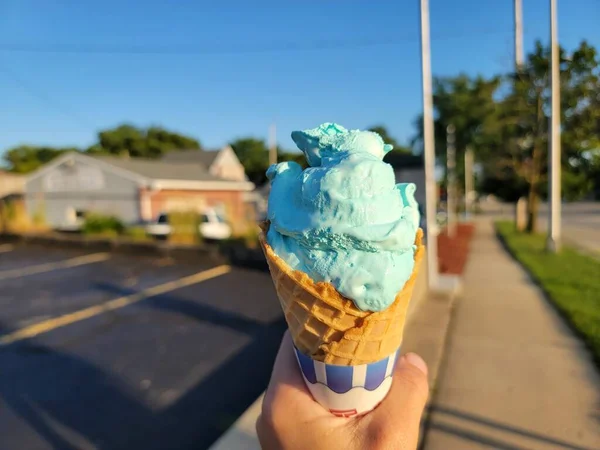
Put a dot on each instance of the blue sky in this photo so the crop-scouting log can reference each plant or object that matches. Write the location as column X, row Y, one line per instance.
column 221, row 70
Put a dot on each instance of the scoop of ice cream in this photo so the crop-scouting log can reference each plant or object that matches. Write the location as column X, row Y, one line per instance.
column 343, row 220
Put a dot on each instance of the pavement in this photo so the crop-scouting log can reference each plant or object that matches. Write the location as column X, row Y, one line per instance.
column 112, row 351
column 581, row 225
column 514, row 377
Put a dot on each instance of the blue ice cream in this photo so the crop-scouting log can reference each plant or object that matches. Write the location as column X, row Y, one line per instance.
column 344, row 220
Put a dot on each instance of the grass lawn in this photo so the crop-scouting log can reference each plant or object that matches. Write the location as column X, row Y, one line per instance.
column 571, row 280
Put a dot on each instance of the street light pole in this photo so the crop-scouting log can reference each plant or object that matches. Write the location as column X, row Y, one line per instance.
column 518, row 34
column 468, row 180
column 554, row 213
column 428, row 149
column 451, row 180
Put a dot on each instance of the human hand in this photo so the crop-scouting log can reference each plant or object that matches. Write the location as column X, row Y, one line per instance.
column 291, row 419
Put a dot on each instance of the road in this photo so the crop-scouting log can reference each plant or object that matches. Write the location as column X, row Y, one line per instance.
column 580, row 222
column 111, row 352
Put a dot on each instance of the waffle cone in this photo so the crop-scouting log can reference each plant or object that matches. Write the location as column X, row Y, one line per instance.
column 327, row 326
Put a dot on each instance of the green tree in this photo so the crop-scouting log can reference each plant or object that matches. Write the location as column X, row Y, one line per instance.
column 505, row 121
column 254, row 155
column 27, row 158
column 469, row 105
column 525, row 117
column 383, row 132
column 152, row 142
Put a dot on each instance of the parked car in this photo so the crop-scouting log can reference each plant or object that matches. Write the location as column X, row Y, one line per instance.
column 212, row 226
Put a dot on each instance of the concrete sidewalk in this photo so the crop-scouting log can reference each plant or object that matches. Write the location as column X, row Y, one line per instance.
column 514, row 376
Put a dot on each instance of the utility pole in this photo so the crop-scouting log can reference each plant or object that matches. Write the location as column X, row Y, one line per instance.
column 518, row 34
column 273, row 144
column 521, row 206
column 451, row 180
column 429, row 149
column 554, row 216
column 469, row 182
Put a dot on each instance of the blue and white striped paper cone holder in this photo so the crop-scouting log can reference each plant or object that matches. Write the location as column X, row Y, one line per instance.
column 347, row 391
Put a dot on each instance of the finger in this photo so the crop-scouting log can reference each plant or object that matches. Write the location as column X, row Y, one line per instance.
column 286, row 375
column 406, row 400
column 289, row 410
column 287, row 395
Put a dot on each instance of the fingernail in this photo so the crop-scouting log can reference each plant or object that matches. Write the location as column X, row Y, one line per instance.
column 415, row 360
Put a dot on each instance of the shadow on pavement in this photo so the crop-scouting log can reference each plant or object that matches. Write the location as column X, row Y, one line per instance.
column 481, row 438
column 73, row 404
column 197, row 311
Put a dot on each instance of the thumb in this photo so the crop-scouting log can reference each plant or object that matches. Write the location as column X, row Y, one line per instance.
column 408, row 395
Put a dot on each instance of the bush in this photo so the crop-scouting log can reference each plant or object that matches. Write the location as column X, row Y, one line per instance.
column 102, row 224
column 185, row 227
column 14, row 218
column 137, row 233
column 250, row 237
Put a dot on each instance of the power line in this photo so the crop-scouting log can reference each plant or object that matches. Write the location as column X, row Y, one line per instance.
column 207, row 49
column 42, row 97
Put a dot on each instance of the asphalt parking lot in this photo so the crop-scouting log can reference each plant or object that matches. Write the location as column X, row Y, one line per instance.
column 103, row 351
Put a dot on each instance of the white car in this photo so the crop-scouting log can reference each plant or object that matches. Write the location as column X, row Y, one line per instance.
column 212, row 226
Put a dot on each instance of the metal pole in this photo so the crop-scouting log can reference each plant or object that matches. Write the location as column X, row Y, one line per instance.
column 451, row 180
column 469, row 184
column 429, row 149
column 554, row 216
column 518, row 33
column 273, row 144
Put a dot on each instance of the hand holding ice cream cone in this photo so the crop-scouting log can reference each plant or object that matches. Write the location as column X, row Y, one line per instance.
column 290, row 418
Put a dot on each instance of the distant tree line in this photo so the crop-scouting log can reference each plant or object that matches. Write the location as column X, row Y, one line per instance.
column 154, row 142
column 124, row 140
column 504, row 120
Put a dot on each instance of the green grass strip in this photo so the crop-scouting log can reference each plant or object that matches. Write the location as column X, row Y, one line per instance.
column 570, row 279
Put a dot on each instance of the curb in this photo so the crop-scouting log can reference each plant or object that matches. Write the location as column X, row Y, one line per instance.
column 242, row 434
column 212, row 253
column 436, row 363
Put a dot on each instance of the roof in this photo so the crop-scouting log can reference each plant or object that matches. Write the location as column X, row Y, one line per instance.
column 399, row 160
column 206, row 158
column 159, row 169
column 155, row 173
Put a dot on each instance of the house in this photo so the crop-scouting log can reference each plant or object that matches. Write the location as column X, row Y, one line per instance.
column 222, row 163
column 135, row 190
column 12, row 185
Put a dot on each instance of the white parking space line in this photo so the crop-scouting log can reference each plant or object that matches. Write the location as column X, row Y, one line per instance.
column 4, row 248
column 77, row 316
column 48, row 267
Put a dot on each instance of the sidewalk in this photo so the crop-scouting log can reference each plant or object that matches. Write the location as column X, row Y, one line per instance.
column 514, row 376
